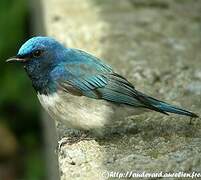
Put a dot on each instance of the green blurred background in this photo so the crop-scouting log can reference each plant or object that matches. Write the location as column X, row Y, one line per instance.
column 21, row 143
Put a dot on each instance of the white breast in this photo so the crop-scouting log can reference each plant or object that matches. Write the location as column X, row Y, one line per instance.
column 81, row 112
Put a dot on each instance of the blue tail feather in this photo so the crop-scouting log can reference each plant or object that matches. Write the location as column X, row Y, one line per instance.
column 164, row 107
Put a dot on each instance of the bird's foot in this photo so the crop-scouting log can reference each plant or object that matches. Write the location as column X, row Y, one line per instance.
column 73, row 139
column 193, row 120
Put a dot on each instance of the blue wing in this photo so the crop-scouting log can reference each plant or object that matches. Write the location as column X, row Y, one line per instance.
column 82, row 74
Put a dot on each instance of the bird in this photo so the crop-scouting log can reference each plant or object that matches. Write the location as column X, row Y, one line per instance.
column 80, row 90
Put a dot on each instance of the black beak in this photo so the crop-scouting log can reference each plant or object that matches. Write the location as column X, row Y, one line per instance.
column 16, row 59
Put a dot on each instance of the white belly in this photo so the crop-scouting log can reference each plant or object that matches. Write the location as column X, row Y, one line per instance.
column 81, row 112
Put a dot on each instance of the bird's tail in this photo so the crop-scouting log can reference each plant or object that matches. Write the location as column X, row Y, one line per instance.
column 163, row 107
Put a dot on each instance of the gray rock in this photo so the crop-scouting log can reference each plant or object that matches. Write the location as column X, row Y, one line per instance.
column 156, row 45
column 194, row 87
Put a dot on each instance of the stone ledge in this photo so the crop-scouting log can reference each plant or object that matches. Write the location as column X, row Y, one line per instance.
column 158, row 49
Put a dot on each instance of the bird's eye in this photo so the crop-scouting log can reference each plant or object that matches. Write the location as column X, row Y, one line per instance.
column 37, row 53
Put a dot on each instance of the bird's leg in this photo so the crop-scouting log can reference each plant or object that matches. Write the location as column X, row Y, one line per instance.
column 191, row 121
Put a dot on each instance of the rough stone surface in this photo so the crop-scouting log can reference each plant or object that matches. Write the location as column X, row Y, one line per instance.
column 156, row 45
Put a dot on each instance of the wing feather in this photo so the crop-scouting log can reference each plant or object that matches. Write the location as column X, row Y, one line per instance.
column 86, row 75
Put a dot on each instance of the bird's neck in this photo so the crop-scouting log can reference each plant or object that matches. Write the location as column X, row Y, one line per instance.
column 40, row 85
column 43, row 84
column 40, row 78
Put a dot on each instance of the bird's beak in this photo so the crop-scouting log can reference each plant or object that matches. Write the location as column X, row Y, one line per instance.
column 15, row 59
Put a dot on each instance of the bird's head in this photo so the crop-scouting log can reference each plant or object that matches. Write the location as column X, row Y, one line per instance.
column 38, row 55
